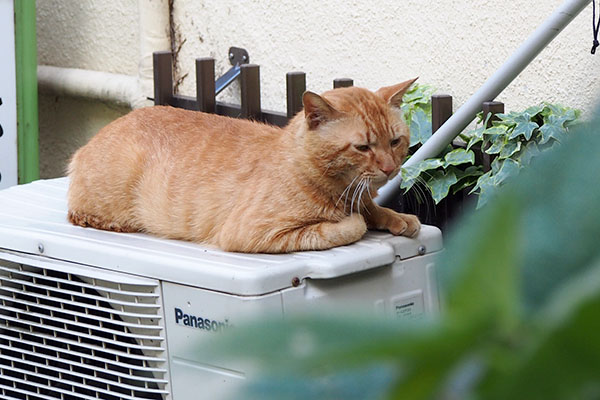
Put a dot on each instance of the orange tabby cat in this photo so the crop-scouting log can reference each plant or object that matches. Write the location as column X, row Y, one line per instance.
column 247, row 186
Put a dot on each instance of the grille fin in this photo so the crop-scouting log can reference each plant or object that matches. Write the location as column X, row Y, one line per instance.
column 77, row 314
column 70, row 333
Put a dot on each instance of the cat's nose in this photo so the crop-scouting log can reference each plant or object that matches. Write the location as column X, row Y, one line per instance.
column 387, row 170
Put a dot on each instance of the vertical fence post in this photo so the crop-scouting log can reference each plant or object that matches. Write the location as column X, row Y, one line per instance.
column 250, row 85
column 441, row 110
column 163, row 77
column 205, row 84
column 493, row 108
column 342, row 82
column 295, row 83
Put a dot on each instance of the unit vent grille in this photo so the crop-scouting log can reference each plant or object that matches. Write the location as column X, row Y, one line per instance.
column 73, row 336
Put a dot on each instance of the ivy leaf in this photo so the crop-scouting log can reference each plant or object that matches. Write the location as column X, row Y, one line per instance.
column 571, row 117
column 488, row 182
column 507, row 119
column 459, row 156
column 534, row 110
column 440, row 184
column 418, row 94
column 552, row 129
column 497, row 145
column 485, row 188
column 473, row 170
column 409, row 177
column 420, row 128
column 466, row 178
column 493, row 138
column 473, row 141
column 410, row 174
column 495, row 131
column 510, row 148
column 525, row 126
column 507, row 168
column 429, row 164
column 528, row 153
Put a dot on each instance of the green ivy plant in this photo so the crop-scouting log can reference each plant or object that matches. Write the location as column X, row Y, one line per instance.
column 416, row 111
column 515, row 139
column 512, row 140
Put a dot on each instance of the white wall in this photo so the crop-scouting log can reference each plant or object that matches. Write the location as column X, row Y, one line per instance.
column 86, row 34
column 453, row 45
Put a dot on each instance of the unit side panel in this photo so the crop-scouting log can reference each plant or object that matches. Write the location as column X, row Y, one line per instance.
column 407, row 289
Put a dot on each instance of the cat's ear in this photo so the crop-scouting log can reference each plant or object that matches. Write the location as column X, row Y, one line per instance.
column 317, row 110
column 393, row 94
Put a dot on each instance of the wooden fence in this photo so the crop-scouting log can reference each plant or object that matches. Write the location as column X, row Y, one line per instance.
column 440, row 215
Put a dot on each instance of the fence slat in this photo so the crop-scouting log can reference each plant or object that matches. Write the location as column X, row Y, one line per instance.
column 441, row 110
column 295, row 87
column 250, row 85
column 163, row 77
column 205, row 84
column 342, row 82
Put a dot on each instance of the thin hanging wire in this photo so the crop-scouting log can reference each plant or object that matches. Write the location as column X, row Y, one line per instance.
column 595, row 27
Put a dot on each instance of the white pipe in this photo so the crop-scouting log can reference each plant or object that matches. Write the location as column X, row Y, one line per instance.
column 95, row 85
column 126, row 90
column 528, row 51
column 155, row 35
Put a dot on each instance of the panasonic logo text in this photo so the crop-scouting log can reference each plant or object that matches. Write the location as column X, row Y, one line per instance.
column 198, row 322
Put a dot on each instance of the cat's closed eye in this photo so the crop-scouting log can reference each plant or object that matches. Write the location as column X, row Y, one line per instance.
column 362, row 147
column 395, row 142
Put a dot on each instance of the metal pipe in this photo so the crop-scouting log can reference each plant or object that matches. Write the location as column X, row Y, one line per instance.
column 126, row 90
column 527, row 52
column 97, row 85
column 155, row 35
column 27, row 95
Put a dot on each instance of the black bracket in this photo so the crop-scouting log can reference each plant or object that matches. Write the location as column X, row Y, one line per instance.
column 237, row 57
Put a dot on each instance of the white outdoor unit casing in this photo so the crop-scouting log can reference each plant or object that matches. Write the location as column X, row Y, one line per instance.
column 88, row 314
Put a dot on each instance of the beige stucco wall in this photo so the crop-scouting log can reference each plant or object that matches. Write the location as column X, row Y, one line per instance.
column 453, row 45
column 87, row 34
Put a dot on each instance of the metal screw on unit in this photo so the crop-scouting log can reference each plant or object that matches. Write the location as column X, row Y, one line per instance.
column 40, row 248
column 244, row 58
column 296, row 281
column 422, row 250
column 231, row 56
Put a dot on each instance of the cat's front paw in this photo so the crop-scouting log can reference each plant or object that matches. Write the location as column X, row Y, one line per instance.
column 404, row 224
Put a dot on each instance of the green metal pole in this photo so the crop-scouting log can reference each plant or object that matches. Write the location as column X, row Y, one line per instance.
column 27, row 94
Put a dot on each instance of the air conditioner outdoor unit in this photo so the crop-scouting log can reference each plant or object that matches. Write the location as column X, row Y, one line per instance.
column 89, row 314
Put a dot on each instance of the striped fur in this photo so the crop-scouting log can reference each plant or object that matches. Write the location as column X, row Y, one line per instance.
column 246, row 186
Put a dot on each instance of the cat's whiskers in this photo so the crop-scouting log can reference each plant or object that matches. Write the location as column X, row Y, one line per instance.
column 357, row 195
column 356, row 190
column 363, row 187
column 369, row 187
column 346, row 192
